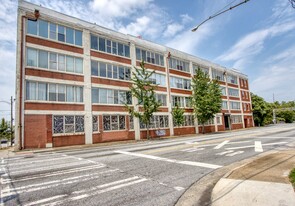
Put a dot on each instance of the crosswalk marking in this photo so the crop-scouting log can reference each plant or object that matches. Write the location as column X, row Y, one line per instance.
column 258, row 146
column 221, row 144
column 249, row 146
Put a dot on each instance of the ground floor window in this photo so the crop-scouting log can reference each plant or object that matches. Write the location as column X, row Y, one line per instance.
column 95, row 123
column 157, row 121
column 188, row 121
column 114, row 122
column 63, row 124
column 131, row 123
column 236, row 119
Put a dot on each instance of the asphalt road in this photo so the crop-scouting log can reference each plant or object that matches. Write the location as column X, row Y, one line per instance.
column 153, row 172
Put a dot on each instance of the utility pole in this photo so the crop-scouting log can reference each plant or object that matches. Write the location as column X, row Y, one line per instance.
column 11, row 120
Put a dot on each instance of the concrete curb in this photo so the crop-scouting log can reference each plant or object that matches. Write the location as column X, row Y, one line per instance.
column 200, row 192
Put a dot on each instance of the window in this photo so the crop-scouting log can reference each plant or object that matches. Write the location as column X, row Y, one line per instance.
column 234, row 105
column 53, row 92
column 78, row 37
column 204, row 69
column 131, row 123
column 70, row 35
column 114, row 122
column 109, row 46
column 56, row 61
column 61, row 33
column 110, row 96
column 110, row 71
column 233, row 92
column 55, row 32
column 32, row 57
column 68, row 124
column 224, row 105
column 157, row 121
column 218, row 120
column 179, row 65
column 53, row 61
column 161, row 98
column 52, row 31
column 223, row 90
column 69, row 64
column 180, row 83
column 150, row 57
column 43, row 29
column 232, row 79
column 31, row 91
column 159, row 79
column 42, row 91
column 188, row 121
column 236, row 119
column 32, row 27
column 95, row 123
column 43, row 59
column 218, row 75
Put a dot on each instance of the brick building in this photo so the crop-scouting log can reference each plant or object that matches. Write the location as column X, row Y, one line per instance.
column 74, row 76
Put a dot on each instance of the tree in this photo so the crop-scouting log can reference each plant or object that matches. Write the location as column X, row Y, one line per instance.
column 177, row 114
column 260, row 109
column 4, row 129
column 144, row 91
column 206, row 98
column 288, row 116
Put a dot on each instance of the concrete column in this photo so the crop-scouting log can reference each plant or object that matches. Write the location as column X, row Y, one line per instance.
column 134, row 100
column 87, row 88
column 19, row 87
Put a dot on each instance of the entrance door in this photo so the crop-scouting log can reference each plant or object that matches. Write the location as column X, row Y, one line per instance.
column 226, row 122
column 246, row 122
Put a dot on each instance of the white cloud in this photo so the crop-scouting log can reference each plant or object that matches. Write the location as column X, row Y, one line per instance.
column 117, row 8
column 278, row 76
column 172, row 29
column 253, row 43
column 188, row 41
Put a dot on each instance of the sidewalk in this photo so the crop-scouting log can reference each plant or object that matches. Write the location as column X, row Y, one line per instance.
column 263, row 182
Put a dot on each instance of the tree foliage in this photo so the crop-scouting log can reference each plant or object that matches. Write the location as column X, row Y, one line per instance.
column 263, row 111
column 144, row 91
column 206, row 98
column 178, row 117
column 4, row 129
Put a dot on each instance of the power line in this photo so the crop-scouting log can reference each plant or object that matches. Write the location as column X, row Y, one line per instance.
column 219, row 13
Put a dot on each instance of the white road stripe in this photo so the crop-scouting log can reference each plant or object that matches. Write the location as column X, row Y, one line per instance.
column 41, row 187
column 66, row 201
column 234, row 153
column 258, row 146
column 192, row 149
column 268, row 144
column 36, row 161
column 45, row 200
column 60, row 180
column 198, row 164
column 62, row 172
column 178, row 188
column 226, row 152
column 221, row 144
column 106, row 185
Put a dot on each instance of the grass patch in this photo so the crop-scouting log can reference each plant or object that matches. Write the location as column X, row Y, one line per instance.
column 292, row 177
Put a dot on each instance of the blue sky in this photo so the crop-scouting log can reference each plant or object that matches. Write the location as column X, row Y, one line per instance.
column 256, row 38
